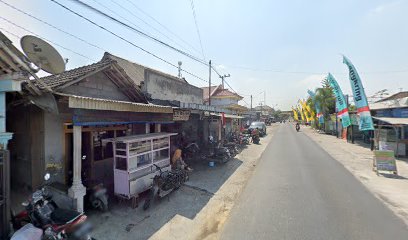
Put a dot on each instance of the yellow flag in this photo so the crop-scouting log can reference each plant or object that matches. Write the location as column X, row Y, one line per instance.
column 295, row 114
column 305, row 111
column 302, row 116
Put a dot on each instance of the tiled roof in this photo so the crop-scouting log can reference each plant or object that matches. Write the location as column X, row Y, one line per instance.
column 218, row 91
column 225, row 92
column 133, row 70
column 57, row 80
column 206, row 91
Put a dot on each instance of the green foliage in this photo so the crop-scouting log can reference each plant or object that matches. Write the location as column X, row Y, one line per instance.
column 326, row 98
column 352, row 108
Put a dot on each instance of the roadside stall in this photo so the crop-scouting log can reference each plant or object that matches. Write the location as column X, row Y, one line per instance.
column 391, row 134
column 134, row 160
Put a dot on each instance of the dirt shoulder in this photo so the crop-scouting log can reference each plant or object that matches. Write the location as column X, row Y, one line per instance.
column 207, row 223
column 392, row 191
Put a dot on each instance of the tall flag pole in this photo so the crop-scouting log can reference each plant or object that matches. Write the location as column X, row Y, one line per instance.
column 341, row 103
column 360, row 99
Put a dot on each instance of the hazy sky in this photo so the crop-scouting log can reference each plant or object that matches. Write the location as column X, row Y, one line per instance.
column 281, row 47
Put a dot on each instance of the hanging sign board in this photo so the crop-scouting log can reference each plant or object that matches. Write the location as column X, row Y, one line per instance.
column 384, row 161
column 181, row 115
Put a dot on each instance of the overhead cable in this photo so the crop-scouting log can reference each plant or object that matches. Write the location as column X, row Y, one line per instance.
column 197, row 28
column 53, row 26
column 33, row 33
column 125, row 25
column 158, row 22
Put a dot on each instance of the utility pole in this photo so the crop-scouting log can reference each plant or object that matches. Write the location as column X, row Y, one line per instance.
column 179, row 69
column 224, row 76
column 251, row 102
column 209, row 85
column 209, row 100
column 264, row 97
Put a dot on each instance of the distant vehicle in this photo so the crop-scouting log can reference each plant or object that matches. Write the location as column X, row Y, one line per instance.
column 261, row 127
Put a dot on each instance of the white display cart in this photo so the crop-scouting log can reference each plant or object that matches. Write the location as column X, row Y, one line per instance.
column 134, row 157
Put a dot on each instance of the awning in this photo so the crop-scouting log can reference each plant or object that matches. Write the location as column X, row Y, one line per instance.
column 113, row 105
column 226, row 115
column 393, row 121
column 132, row 138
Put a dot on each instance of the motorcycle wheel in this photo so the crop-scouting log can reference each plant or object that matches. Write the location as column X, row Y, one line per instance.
column 100, row 205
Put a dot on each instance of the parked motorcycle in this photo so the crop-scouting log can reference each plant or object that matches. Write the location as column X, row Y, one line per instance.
column 232, row 148
column 190, row 150
column 98, row 197
column 255, row 139
column 245, row 139
column 96, row 194
column 28, row 232
column 217, row 151
column 56, row 223
column 164, row 183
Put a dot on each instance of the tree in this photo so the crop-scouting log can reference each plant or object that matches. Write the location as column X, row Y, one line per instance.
column 326, row 98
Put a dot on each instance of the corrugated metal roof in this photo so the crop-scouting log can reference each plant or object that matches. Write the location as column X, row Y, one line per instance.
column 113, row 105
column 393, row 121
column 396, row 103
column 226, row 115
column 395, row 96
column 133, row 70
column 7, row 63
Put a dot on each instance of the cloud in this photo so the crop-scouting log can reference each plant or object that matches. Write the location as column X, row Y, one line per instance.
column 311, row 82
column 384, row 7
column 221, row 67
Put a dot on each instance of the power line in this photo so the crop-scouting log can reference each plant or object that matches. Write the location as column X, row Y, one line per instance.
column 197, row 28
column 124, row 39
column 93, row 45
column 307, row 72
column 155, row 20
column 70, row 50
column 50, row 25
column 141, row 19
column 125, row 25
column 116, row 13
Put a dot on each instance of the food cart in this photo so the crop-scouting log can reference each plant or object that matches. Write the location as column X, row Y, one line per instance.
column 134, row 157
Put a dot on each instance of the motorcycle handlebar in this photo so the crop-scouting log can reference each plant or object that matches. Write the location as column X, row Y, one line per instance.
column 157, row 167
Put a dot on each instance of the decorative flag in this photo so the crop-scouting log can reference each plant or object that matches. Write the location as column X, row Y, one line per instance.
column 341, row 104
column 360, row 99
column 305, row 111
column 319, row 113
column 302, row 116
column 295, row 114
column 223, row 119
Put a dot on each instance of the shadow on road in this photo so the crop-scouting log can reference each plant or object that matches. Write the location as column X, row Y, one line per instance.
column 123, row 222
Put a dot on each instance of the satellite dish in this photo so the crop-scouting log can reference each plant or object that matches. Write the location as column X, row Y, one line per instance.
column 42, row 54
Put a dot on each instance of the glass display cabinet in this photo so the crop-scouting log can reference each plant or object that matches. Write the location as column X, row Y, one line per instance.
column 134, row 157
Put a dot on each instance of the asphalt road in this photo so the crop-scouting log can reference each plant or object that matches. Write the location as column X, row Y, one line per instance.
column 298, row 191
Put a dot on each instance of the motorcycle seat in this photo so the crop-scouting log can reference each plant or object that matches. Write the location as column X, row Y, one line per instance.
column 63, row 216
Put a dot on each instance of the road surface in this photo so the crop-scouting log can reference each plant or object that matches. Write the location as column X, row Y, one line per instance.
column 298, row 191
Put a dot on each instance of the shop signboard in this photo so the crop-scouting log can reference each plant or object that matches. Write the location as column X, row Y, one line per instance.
column 181, row 115
column 384, row 161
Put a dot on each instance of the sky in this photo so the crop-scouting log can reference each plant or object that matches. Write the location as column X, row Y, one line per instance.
column 272, row 49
